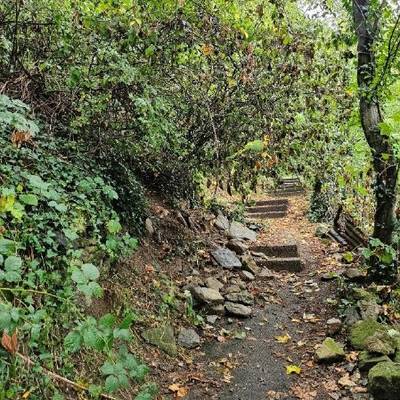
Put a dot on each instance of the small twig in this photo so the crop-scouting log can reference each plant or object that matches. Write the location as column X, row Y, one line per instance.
column 57, row 377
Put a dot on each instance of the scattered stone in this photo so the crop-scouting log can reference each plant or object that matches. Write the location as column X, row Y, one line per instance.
column 351, row 316
column 207, row 295
column 188, row 338
column 237, row 246
column 241, row 297
column 226, row 258
column 329, row 276
column 367, row 360
column 239, row 282
column 362, row 294
column 362, row 330
column 250, row 265
column 162, row 337
column 212, row 319
column 334, row 326
column 383, row 342
column 322, row 230
column 222, row 222
column 238, row 310
column 214, row 283
column 354, row 274
column 149, row 227
column 369, row 309
column 384, row 381
column 247, row 276
column 239, row 231
column 330, row 351
column 266, row 274
column 218, row 309
column 232, row 289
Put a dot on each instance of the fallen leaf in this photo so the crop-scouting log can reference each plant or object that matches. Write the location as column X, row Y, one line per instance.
column 283, row 339
column 179, row 391
column 10, row 343
column 293, row 369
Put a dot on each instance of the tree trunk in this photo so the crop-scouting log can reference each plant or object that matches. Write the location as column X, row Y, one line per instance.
column 384, row 160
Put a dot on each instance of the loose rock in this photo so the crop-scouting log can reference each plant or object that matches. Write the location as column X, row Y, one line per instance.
column 246, row 275
column 333, row 326
column 222, row 222
column 207, row 295
column 149, row 226
column 214, row 283
column 383, row 342
column 369, row 309
column 226, row 258
column 384, row 381
column 367, row 360
column 362, row 330
column 329, row 276
column 238, row 310
column 162, row 337
column 212, row 319
column 250, row 265
column 241, row 297
column 330, row 351
column 188, row 338
column 354, row 274
column 237, row 246
column 239, row 231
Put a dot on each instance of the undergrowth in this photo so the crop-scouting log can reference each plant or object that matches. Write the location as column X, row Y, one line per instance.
column 59, row 236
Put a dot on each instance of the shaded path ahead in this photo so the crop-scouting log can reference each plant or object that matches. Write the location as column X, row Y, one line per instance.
column 289, row 321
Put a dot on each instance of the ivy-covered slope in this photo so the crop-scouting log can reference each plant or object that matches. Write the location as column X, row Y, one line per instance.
column 59, row 236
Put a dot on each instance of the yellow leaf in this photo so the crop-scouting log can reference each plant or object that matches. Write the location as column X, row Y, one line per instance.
column 180, row 391
column 207, row 50
column 293, row 369
column 283, row 339
column 26, row 394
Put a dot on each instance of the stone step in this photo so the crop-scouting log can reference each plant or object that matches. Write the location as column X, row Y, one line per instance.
column 337, row 237
column 285, row 251
column 292, row 264
column 266, row 215
column 273, row 202
column 261, row 209
column 290, row 180
column 287, row 194
column 294, row 188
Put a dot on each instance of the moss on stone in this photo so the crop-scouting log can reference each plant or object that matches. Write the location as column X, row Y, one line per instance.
column 384, row 381
column 362, row 330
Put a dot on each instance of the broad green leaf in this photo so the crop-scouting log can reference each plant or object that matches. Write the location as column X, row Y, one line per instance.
column 79, row 277
column 111, row 384
column 13, row 263
column 70, row 234
column 90, row 271
column 113, row 226
column 5, row 320
column 73, row 341
column 107, row 321
column 123, row 334
column 29, row 199
column 107, row 368
column 7, row 246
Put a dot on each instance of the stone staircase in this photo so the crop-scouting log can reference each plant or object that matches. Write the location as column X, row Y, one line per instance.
column 278, row 257
column 289, row 187
column 268, row 209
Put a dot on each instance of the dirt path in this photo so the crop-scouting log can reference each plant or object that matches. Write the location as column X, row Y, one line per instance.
column 290, row 319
